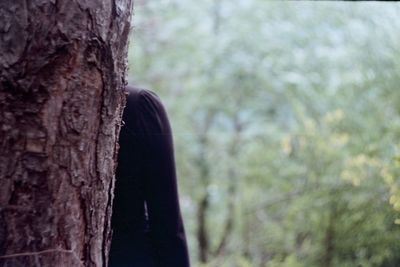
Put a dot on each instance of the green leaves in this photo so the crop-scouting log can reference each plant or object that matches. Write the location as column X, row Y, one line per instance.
column 295, row 104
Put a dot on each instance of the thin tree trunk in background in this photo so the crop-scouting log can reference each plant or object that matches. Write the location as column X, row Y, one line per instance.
column 62, row 75
column 202, row 231
column 328, row 243
column 232, row 187
column 203, row 205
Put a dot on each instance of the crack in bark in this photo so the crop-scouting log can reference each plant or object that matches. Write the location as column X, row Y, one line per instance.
column 36, row 253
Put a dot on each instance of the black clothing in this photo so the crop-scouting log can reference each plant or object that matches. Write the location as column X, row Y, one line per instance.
column 147, row 225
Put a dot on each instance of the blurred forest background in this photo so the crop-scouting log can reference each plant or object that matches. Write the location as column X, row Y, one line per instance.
column 286, row 119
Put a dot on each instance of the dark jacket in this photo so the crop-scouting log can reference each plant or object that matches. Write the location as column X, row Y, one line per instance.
column 147, row 225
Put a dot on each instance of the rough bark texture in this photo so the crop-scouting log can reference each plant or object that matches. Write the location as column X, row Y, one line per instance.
column 62, row 79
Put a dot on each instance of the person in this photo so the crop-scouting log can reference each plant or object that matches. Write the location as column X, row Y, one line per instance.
column 147, row 225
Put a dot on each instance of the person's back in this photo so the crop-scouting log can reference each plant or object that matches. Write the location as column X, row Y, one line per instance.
column 147, row 225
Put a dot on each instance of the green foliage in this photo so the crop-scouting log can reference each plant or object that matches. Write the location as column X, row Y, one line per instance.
column 286, row 115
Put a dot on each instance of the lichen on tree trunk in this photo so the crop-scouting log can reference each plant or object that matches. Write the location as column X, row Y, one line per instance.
column 62, row 79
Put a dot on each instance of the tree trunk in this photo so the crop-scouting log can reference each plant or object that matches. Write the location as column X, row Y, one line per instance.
column 203, row 205
column 62, row 75
column 328, row 243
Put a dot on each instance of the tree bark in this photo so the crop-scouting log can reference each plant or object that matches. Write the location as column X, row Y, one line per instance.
column 62, row 80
